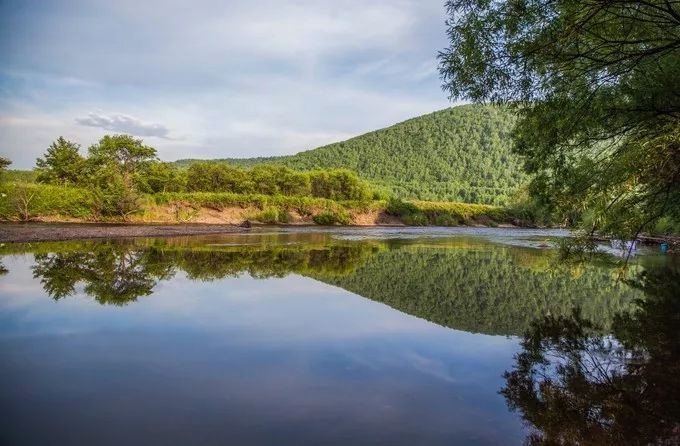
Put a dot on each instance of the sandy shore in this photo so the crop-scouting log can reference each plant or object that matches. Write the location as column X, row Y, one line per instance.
column 39, row 232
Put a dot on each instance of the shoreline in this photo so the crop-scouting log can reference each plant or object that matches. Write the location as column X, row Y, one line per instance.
column 52, row 232
column 29, row 232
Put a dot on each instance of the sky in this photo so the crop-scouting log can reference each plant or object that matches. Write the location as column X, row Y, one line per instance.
column 214, row 79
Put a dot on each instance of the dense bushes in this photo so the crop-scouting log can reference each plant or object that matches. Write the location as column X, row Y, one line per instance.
column 24, row 201
column 334, row 184
column 329, row 218
column 422, row 213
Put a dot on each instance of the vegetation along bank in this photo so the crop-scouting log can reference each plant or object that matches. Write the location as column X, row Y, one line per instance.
column 121, row 180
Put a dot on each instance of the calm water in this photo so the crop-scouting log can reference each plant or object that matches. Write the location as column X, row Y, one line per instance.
column 422, row 336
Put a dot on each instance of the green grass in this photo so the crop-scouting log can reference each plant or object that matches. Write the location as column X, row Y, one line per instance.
column 19, row 176
column 24, row 201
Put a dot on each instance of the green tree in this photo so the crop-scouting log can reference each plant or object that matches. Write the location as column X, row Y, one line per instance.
column 114, row 167
column 4, row 164
column 595, row 84
column 61, row 164
column 217, row 177
column 158, row 176
column 123, row 154
column 462, row 153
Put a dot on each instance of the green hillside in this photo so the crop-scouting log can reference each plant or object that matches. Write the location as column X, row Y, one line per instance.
column 458, row 154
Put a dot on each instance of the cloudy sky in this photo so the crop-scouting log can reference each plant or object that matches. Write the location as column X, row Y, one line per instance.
column 207, row 79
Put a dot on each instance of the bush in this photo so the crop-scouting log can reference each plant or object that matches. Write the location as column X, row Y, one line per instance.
column 329, row 218
column 415, row 219
column 26, row 201
column 444, row 219
column 271, row 215
column 666, row 226
column 399, row 208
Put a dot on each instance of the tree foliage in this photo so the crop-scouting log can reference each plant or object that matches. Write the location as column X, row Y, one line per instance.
column 62, row 163
column 334, row 184
column 4, row 163
column 596, row 85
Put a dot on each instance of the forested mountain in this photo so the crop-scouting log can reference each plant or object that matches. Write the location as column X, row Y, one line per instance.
column 460, row 153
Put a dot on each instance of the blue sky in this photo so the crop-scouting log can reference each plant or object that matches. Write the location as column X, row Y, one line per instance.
column 208, row 79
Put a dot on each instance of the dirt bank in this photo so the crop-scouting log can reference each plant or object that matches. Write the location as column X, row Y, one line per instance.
column 38, row 232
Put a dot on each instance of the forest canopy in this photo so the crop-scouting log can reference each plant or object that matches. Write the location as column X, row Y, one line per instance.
column 596, row 88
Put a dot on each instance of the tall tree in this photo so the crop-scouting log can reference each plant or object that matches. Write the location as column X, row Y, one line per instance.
column 121, row 154
column 61, row 164
column 596, row 86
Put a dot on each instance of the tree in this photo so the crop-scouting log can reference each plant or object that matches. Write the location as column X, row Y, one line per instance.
column 4, row 164
column 113, row 167
column 217, row 177
column 61, row 164
column 157, row 176
column 595, row 85
column 123, row 154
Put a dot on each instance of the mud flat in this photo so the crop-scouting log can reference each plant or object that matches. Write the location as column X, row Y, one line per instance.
column 38, row 232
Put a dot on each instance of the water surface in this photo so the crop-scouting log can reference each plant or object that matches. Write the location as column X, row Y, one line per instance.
column 346, row 336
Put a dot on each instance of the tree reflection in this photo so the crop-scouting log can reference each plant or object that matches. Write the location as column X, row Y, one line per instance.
column 574, row 386
column 120, row 273
column 113, row 274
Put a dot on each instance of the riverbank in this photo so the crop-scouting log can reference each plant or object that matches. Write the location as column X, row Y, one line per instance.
column 57, row 204
column 41, row 232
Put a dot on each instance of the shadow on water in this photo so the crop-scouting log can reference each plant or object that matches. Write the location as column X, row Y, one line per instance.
column 574, row 386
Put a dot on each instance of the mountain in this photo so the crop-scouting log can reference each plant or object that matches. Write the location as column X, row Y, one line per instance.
column 459, row 154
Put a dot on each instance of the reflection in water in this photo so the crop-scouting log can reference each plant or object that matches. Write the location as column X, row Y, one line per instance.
column 468, row 285
column 111, row 273
column 287, row 358
column 119, row 273
column 574, row 386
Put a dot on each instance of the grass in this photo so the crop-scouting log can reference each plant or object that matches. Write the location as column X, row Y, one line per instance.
column 25, row 201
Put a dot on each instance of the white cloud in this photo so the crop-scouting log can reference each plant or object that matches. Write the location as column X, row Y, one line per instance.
column 124, row 124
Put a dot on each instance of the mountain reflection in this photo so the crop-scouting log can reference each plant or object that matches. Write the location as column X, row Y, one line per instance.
column 469, row 285
column 573, row 386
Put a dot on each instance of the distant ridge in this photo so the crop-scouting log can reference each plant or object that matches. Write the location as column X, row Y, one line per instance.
column 460, row 154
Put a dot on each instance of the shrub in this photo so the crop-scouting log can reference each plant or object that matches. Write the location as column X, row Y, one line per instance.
column 444, row 219
column 26, row 201
column 399, row 208
column 415, row 219
column 329, row 218
column 271, row 215
column 666, row 226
